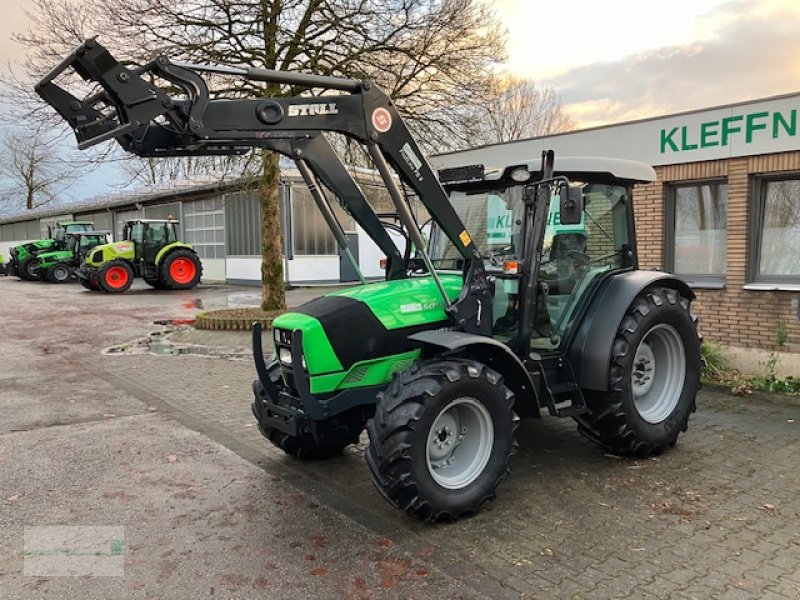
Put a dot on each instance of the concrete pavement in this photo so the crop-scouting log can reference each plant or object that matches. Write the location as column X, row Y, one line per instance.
column 166, row 447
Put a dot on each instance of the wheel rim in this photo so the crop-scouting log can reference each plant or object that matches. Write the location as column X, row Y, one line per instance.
column 182, row 270
column 659, row 372
column 459, row 443
column 30, row 268
column 60, row 274
column 116, row 277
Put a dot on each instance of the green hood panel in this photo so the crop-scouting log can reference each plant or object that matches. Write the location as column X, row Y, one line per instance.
column 405, row 302
column 51, row 257
column 322, row 358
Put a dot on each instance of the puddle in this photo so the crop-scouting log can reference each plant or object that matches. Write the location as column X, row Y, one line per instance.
column 243, row 299
column 158, row 344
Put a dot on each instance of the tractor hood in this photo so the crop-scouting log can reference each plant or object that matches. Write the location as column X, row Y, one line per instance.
column 47, row 257
column 367, row 322
column 105, row 252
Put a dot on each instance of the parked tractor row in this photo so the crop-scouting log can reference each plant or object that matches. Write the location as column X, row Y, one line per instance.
column 150, row 249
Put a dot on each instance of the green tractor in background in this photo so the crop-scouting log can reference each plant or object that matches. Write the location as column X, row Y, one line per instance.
column 150, row 249
column 58, row 266
column 23, row 257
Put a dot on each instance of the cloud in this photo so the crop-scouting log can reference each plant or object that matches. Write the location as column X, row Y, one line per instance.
column 749, row 51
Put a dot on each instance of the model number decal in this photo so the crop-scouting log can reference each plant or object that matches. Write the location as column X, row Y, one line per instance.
column 312, row 110
column 412, row 160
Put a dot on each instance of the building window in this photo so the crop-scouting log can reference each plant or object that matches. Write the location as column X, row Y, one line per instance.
column 697, row 228
column 775, row 239
column 243, row 223
column 204, row 226
column 310, row 234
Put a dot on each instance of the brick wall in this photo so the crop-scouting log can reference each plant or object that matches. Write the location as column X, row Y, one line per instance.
column 732, row 316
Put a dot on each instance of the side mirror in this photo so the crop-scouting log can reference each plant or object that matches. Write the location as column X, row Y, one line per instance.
column 571, row 209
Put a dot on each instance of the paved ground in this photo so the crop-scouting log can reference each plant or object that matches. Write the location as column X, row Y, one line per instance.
column 166, row 447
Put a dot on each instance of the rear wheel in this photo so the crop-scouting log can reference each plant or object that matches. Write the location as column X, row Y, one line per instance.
column 181, row 270
column 58, row 273
column 441, row 438
column 654, row 377
column 116, row 277
column 28, row 269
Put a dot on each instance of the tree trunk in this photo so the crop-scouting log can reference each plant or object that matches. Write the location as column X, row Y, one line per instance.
column 273, row 291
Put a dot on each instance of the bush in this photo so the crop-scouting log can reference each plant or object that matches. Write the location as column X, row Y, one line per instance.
column 715, row 365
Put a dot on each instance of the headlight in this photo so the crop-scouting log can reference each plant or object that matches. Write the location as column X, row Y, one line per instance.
column 285, row 356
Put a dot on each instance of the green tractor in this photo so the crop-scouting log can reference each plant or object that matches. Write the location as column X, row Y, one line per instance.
column 150, row 249
column 527, row 301
column 58, row 266
column 23, row 257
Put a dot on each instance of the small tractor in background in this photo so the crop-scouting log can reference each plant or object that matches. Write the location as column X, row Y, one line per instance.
column 58, row 266
column 150, row 249
column 23, row 257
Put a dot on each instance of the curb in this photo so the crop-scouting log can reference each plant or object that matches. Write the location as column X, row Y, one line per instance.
column 211, row 322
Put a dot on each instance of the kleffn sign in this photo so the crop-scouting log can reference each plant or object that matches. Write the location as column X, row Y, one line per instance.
column 720, row 132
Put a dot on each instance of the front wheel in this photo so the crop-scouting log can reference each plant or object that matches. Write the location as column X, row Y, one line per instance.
column 116, row 277
column 29, row 269
column 89, row 284
column 328, row 438
column 654, row 377
column 441, row 438
column 58, row 273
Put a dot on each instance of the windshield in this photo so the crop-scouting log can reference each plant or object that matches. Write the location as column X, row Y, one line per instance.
column 494, row 220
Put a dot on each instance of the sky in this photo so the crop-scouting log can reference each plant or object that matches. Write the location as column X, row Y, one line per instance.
column 616, row 60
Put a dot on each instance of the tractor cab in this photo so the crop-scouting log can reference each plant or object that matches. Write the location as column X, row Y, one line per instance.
column 64, row 228
column 574, row 254
column 150, row 236
column 80, row 243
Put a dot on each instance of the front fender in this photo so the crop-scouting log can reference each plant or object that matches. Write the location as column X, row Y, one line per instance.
column 590, row 350
column 492, row 353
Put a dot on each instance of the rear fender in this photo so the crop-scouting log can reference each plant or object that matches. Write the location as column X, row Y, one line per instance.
column 493, row 354
column 590, row 350
column 169, row 248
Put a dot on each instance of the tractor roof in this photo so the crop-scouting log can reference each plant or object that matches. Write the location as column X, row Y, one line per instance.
column 93, row 232
column 65, row 223
column 152, row 221
column 618, row 168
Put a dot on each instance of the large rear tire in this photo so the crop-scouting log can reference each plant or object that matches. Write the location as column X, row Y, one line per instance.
column 653, row 378
column 441, row 438
column 115, row 277
column 181, row 270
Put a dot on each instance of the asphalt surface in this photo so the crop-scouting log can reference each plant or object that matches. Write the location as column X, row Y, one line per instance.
column 163, row 445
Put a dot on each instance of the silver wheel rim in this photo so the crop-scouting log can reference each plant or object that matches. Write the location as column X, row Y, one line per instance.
column 460, row 443
column 31, row 268
column 60, row 274
column 659, row 372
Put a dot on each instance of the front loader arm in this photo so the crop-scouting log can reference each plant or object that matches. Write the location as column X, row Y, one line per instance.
column 148, row 121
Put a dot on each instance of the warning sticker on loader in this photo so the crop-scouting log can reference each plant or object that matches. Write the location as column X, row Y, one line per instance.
column 464, row 237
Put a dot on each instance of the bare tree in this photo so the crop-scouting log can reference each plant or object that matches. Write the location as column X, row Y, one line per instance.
column 429, row 55
column 517, row 108
column 32, row 168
